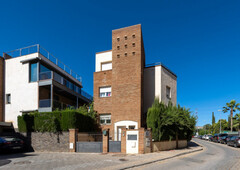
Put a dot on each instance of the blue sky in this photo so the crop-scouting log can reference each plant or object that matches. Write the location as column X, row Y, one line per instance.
column 198, row 40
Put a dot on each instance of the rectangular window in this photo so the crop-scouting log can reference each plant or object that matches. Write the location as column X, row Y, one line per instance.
column 106, row 66
column 33, row 72
column 44, row 73
column 8, row 98
column 131, row 137
column 168, row 92
column 105, row 119
column 105, row 91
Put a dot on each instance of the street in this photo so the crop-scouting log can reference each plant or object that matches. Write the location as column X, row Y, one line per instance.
column 214, row 156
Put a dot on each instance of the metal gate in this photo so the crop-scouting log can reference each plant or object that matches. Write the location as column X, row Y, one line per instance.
column 89, row 142
column 114, row 146
column 94, row 147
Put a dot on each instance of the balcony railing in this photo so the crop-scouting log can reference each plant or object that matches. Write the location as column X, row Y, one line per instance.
column 44, row 103
column 38, row 49
column 45, row 75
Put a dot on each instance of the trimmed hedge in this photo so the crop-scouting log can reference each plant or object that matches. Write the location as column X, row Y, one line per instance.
column 56, row 121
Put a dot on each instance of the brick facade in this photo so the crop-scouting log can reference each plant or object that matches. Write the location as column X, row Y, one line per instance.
column 1, row 88
column 125, row 78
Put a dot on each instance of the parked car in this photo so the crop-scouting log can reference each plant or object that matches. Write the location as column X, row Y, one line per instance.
column 234, row 141
column 209, row 137
column 9, row 144
column 216, row 137
column 223, row 139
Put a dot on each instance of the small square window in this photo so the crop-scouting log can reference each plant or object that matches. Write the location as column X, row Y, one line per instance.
column 118, row 47
column 118, row 56
column 8, row 98
column 125, row 45
column 133, row 53
column 125, row 54
column 133, row 36
column 125, row 37
column 133, row 44
column 118, row 39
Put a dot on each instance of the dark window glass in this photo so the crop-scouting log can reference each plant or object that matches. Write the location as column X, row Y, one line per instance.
column 132, row 137
column 33, row 72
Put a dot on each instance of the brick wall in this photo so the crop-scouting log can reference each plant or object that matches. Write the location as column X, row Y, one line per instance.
column 1, row 88
column 125, row 78
column 127, row 74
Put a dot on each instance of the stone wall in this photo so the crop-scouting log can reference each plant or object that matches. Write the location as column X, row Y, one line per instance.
column 168, row 145
column 47, row 141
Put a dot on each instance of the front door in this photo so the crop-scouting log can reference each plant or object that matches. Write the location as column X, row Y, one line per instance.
column 132, row 142
column 119, row 132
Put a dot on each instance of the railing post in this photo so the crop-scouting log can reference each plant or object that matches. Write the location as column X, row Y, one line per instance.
column 20, row 52
column 38, row 48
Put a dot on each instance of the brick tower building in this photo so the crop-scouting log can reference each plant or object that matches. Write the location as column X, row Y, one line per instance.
column 119, row 82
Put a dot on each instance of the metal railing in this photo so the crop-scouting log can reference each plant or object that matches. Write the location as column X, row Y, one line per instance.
column 56, row 104
column 38, row 49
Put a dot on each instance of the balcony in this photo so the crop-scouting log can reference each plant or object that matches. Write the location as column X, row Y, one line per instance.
column 39, row 49
column 46, row 103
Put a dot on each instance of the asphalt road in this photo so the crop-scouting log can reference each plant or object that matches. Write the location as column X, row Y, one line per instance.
column 214, row 156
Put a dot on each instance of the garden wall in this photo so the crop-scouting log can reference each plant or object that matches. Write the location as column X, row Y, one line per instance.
column 168, row 145
column 40, row 142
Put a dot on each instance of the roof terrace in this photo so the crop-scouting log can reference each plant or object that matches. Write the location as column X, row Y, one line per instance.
column 39, row 49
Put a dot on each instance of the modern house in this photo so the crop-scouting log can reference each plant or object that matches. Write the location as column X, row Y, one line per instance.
column 32, row 79
column 124, row 87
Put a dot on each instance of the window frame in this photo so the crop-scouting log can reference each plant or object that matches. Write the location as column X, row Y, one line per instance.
column 107, row 62
column 170, row 95
column 105, row 117
column 8, row 98
column 105, row 92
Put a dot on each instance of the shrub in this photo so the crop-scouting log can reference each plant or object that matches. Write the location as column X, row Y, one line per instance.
column 25, row 123
column 57, row 121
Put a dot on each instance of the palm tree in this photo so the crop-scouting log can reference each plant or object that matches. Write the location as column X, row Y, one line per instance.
column 236, row 122
column 232, row 106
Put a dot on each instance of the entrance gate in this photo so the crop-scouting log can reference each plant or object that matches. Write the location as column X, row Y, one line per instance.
column 89, row 142
column 132, row 139
column 114, row 146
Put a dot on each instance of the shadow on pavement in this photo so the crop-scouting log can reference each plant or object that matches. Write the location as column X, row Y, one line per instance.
column 5, row 158
column 192, row 144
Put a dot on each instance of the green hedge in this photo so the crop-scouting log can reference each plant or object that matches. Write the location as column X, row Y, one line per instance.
column 56, row 121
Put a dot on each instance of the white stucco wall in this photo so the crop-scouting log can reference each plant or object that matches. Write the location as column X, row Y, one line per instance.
column 101, row 58
column 155, row 81
column 24, row 95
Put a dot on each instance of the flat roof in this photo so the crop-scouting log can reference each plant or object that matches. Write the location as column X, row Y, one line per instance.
column 160, row 64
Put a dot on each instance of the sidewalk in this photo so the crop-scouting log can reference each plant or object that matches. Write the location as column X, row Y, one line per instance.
column 155, row 157
column 52, row 160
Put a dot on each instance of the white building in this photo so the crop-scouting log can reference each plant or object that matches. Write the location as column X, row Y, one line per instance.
column 37, row 81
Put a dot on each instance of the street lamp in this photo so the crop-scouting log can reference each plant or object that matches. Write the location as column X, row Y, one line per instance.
column 220, row 121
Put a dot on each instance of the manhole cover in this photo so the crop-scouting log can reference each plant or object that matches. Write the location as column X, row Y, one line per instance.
column 22, row 162
column 123, row 160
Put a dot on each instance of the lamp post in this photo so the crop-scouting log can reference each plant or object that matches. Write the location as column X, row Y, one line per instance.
column 220, row 129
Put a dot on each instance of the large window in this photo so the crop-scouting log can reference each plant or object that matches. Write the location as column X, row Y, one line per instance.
column 106, row 66
column 33, row 72
column 105, row 119
column 45, row 73
column 105, row 91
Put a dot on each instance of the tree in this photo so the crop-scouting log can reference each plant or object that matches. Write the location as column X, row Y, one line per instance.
column 213, row 118
column 170, row 122
column 236, row 121
column 224, row 126
column 232, row 106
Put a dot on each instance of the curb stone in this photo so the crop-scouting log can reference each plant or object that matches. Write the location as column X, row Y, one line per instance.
column 162, row 159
